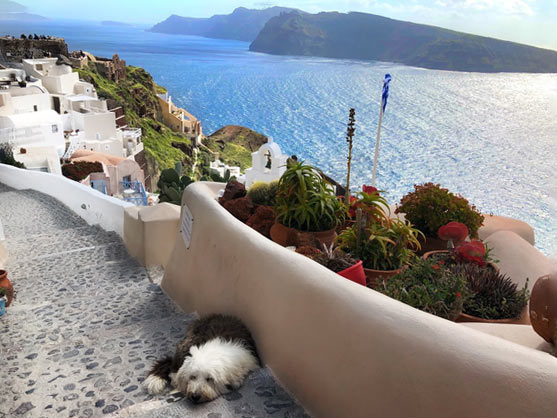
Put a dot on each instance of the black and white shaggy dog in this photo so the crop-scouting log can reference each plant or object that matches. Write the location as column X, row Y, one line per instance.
column 215, row 357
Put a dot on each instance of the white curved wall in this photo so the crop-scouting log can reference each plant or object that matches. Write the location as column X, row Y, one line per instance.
column 91, row 205
column 344, row 350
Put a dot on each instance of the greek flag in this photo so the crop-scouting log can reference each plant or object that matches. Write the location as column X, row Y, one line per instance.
column 385, row 95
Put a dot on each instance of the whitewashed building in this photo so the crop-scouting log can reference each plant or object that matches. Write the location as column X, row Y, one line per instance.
column 27, row 121
column 268, row 164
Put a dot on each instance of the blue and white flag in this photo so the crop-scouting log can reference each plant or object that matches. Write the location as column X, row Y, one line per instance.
column 385, row 95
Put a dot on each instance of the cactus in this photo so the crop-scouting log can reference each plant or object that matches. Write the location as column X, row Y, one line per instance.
column 171, row 186
column 259, row 193
column 178, row 167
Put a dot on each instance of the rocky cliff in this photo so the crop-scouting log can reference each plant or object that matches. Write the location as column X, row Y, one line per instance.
column 369, row 37
column 235, row 144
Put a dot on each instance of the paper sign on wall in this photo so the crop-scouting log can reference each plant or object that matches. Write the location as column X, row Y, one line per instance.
column 187, row 224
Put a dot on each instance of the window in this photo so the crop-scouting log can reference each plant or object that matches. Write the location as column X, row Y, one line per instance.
column 35, row 108
column 54, row 129
column 127, row 179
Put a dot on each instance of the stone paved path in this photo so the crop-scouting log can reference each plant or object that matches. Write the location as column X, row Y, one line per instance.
column 87, row 322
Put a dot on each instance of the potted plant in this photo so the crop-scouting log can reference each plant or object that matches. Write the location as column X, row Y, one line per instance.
column 384, row 247
column 474, row 251
column 493, row 296
column 7, row 286
column 337, row 261
column 305, row 203
column 430, row 287
column 429, row 207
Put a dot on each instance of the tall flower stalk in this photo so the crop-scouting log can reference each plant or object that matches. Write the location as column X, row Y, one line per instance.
column 349, row 137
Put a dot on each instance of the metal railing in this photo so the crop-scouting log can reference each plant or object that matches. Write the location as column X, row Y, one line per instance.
column 134, row 192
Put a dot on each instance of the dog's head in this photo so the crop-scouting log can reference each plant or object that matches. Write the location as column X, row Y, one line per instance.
column 213, row 369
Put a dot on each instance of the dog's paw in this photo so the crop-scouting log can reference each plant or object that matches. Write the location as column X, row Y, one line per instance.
column 154, row 385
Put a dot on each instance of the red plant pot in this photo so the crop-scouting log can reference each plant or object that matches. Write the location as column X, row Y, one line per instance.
column 355, row 273
column 6, row 284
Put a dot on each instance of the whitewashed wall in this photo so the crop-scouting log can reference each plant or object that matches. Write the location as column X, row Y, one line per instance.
column 94, row 207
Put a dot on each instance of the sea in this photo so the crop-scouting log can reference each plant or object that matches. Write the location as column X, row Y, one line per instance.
column 490, row 137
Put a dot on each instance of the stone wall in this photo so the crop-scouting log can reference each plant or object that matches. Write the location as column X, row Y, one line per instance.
column 16, row 49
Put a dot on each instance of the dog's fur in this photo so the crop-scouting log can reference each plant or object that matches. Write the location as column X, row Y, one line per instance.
column 215, row 357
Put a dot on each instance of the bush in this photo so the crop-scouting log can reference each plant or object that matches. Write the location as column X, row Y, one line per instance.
column 493, row 295
column 429, row 207
column 79, row 170
column 429, row 287
column 7, row 156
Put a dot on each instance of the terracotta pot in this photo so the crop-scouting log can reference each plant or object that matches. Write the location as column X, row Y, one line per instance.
column 543, row 308
column 6, row 284
column 324, row 237
column 283, row 235
column 355, row 273
column 523, row 319
column 431, row 253
column 375, row 276
column 431, row 244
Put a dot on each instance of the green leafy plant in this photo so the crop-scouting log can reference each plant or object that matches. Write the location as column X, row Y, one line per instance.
column 381, row 246
column 171, row 186
column 305, row 201
column 493, row 295
column 430, row 287
column 7, row 156
column 429, row 207
column 374, row 206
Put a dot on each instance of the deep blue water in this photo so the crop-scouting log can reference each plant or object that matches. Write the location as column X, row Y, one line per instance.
column 490, row 137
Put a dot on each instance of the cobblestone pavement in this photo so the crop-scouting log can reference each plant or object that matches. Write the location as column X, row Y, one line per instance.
column 86, row 324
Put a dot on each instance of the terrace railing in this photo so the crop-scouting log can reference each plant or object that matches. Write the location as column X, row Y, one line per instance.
column 134, row 192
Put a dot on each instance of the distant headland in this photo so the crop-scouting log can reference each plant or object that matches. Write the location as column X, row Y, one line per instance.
column 370, row 37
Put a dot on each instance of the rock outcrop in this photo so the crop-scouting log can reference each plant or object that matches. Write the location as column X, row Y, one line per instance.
column 15, row 49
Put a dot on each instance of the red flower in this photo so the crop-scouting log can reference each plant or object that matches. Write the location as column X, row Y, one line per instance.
column 458, row 295
column 453, row 231
column 473, row 251
column 435, row 267
column 369, row 189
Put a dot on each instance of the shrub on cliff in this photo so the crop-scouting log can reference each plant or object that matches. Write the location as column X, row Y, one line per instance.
column 429, row 207
column 81, row 169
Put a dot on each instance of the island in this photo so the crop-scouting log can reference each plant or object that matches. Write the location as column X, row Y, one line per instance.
column 363, row 36
column 242, row 24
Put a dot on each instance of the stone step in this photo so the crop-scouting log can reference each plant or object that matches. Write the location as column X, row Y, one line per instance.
column 86, row 375
column 67, row 262
column 49, row 244
column 89, row 281
column 27, row 212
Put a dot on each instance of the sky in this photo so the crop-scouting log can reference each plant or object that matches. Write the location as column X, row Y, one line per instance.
column 531, row 22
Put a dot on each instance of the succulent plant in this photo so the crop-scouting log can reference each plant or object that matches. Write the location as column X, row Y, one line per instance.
column 259, row 192
column 493, row 295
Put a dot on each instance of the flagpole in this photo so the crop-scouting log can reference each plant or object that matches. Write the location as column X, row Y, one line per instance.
column 377, row 145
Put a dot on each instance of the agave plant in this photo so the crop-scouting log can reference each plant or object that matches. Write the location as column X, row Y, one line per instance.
column 305, row 201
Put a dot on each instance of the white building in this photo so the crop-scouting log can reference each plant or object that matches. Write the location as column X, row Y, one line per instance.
column 27, row 121
column 87, row 121
column 268, row 164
